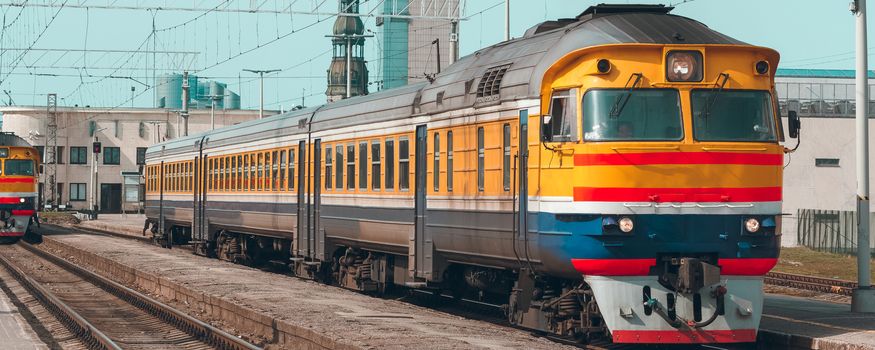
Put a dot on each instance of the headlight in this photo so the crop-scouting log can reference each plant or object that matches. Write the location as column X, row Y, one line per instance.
column 752, row 225
column 21, row 200
column 683, row 66
column 626, row 225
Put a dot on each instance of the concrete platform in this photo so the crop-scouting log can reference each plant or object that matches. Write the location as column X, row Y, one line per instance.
column 15, row 333
column 129, row 224
column 816, row 324
column 788, row 322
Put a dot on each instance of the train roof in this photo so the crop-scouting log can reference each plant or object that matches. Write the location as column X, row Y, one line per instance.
column 13, row 140
column 507, row 71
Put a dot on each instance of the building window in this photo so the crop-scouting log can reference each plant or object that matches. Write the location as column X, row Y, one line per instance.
column 78, row 155
column 363, row 166
column 338, row 181
column 403, row 164
column 506, row 165
column 390, row 164
column 328, row 171
column 449, row 161
column 111, row 156
column 826, row 162
column 481, row 159
column 375, row 165
column 141, row 155
column 350, row 167
column 77, row 192
column 59, row 154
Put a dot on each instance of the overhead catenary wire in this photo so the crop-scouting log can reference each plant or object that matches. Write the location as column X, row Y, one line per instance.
column 20, row 57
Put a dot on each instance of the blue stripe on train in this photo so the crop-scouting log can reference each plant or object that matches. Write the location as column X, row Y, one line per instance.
column 565, row 236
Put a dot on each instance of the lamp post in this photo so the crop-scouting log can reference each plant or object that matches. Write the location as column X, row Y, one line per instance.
column 261, row 75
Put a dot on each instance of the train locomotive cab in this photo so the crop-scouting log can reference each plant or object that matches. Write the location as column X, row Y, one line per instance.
column 662, row 166
column 18, row 187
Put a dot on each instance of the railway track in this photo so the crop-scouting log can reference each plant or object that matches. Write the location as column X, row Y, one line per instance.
column 464, row 308
column 810, row 283
column 104, row 314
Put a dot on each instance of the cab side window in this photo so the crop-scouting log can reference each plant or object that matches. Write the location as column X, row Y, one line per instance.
column 560, row 125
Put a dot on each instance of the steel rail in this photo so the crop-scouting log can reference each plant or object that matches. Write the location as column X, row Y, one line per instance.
column 811, row 283
column 91, row 337
column 205, row 332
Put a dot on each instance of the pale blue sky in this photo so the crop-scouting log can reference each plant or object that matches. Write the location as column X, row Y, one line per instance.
column 807, row 33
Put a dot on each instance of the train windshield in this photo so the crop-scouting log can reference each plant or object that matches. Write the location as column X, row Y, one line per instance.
column 632, row 115
column 732, row 115
column 19, row 167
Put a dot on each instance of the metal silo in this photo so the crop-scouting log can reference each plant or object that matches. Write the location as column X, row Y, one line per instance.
column 232, row 100
column 170, row 90
column 217, row 92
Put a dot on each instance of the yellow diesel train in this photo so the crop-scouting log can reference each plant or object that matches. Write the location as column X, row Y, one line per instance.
column 616, row 174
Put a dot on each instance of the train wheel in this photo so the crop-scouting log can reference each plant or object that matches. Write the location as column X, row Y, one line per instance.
column 9, row 240
column 32, row 237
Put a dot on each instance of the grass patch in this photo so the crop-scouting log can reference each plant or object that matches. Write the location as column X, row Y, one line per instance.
column 804, row 261
column 58, row 218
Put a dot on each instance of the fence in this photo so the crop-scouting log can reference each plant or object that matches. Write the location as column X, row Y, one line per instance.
column 833, row 231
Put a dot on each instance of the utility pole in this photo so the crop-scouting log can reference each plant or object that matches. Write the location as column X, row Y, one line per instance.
column 348, row 67
column 133, row 89
column 454, row 42
column 506, row 20
column 261, row 74
column 185, row 98
column 437, row 42
column 213, row 99
column 863, row 299
column 50, row 150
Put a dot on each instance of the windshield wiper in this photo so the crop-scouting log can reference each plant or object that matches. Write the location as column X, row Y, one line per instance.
column 710, row 105
column 621, row 100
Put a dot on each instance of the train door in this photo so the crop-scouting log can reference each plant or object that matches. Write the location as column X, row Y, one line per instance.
column 300, row 240
column 199, row 230
column 316, row 244
column 522, row 223
column 422, row 243
column 161, row 230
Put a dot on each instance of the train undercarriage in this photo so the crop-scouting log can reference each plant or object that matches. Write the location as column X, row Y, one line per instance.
column 563, row 308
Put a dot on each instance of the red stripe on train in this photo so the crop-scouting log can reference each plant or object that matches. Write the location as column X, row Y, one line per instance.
column 663, row 195
column 22, row 212
column 685, row 336
column 614, row 267
column 11, row 234
column 17, row 180
column 10, row 200
column 746, row 266
column 641, row 267
column 677, row 158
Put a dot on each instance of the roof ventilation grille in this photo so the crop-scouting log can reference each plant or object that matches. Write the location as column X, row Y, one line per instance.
column 489, row 88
